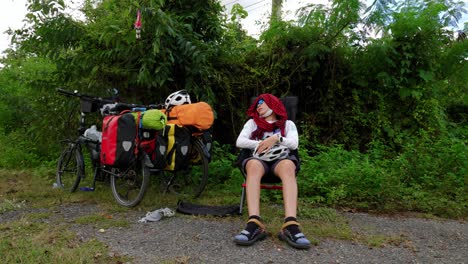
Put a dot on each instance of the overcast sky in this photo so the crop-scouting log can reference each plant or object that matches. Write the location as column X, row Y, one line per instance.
column 12, row 13
column 259, row 11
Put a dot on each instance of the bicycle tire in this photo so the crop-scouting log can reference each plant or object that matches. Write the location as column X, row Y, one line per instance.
column 70, row 167
column 129, row 185
column 190, row 183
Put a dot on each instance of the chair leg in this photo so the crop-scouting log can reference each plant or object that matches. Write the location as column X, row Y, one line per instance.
column 242, row 200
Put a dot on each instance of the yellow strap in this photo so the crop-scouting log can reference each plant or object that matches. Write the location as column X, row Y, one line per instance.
column 257, row 222
column 170, row 145
column 289, row 223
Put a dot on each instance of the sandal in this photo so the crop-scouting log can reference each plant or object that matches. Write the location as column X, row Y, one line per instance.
column 298, row 241
column 245, row 238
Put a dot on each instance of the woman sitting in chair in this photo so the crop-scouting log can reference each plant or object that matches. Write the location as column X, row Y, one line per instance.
column 271, row 137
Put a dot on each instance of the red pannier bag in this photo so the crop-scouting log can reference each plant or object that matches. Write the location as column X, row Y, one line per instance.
column 148, row 143
column 119, row 140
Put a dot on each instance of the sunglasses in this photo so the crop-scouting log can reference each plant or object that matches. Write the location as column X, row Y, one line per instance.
column 261, row 101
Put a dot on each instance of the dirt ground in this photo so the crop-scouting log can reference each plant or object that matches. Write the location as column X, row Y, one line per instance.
column 191, row 239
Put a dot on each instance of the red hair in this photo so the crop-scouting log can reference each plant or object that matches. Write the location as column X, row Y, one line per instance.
column 263, row 126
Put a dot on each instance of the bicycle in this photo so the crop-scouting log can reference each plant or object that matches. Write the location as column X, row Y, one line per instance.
column 71, row 163
column 129, row 184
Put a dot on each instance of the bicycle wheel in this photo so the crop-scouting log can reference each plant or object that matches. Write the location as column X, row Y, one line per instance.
column 129, row 185
column 190, row 183
column 70, row 167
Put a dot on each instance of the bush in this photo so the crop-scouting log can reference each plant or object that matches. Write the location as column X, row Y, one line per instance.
column 428, row 176
column 223, row 171
column 433, row 173
column 18, row 151
column 340, row 177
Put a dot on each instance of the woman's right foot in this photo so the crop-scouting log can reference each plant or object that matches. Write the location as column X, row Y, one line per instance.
column 253, row 232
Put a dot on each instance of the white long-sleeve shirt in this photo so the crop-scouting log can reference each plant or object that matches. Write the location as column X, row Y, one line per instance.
column 290, row 140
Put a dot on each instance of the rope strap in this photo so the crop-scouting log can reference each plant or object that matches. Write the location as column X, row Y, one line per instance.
column 289, row 223
column 257, row 222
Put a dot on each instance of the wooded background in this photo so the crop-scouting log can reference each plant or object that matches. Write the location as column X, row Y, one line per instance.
column 385, row 83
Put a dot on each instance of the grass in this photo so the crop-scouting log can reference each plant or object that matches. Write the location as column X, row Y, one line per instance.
column 379, row 240
column 11, row 205
column 39, row 216
column 30, row 240
column 102, row 220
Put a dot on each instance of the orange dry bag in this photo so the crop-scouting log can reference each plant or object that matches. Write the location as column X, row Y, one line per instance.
column 199, row 115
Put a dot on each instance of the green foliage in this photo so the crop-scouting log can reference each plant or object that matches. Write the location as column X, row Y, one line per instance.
column 337, row 176
column 102, row 51
column 435, row 170
column 428, row 176
column 237, row 12
column 29, row 126
column 18, row 151
column 222, row 161
column 382, row 118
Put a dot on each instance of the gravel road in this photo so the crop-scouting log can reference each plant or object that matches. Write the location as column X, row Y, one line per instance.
column 187, row 239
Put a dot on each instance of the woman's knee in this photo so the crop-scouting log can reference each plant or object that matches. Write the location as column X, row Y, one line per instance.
column 285, row 167
column 254, row 166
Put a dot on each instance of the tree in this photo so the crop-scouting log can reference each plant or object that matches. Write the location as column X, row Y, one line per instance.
column 276, row 6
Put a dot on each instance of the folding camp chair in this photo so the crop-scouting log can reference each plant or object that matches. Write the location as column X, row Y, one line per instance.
column 269, row 181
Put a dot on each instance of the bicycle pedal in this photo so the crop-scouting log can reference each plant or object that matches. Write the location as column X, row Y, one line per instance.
column 87, row 189
column 148, row 162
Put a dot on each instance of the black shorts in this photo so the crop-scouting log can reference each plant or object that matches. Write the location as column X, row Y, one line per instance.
column 270, row 166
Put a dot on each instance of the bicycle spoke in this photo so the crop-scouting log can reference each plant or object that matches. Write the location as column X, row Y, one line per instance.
column 190, row 183
column 129, row 186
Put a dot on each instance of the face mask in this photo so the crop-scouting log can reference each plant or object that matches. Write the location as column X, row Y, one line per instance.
column 267, row 113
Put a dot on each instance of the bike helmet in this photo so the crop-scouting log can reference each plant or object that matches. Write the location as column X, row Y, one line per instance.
column 276, row 152
column 177, row 98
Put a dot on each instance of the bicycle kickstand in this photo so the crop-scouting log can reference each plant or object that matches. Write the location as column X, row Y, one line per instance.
column 91, row 189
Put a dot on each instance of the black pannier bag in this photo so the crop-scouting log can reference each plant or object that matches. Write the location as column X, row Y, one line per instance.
column 172, row 148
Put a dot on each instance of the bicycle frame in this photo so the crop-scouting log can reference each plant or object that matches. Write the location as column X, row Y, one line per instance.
column 88, row 104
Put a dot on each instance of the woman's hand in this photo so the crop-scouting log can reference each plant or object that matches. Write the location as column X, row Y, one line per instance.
column 267, row 143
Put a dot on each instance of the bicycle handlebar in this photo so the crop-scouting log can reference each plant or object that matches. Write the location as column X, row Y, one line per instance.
column 119, row 106
column 86, row 97
column 60, row 90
